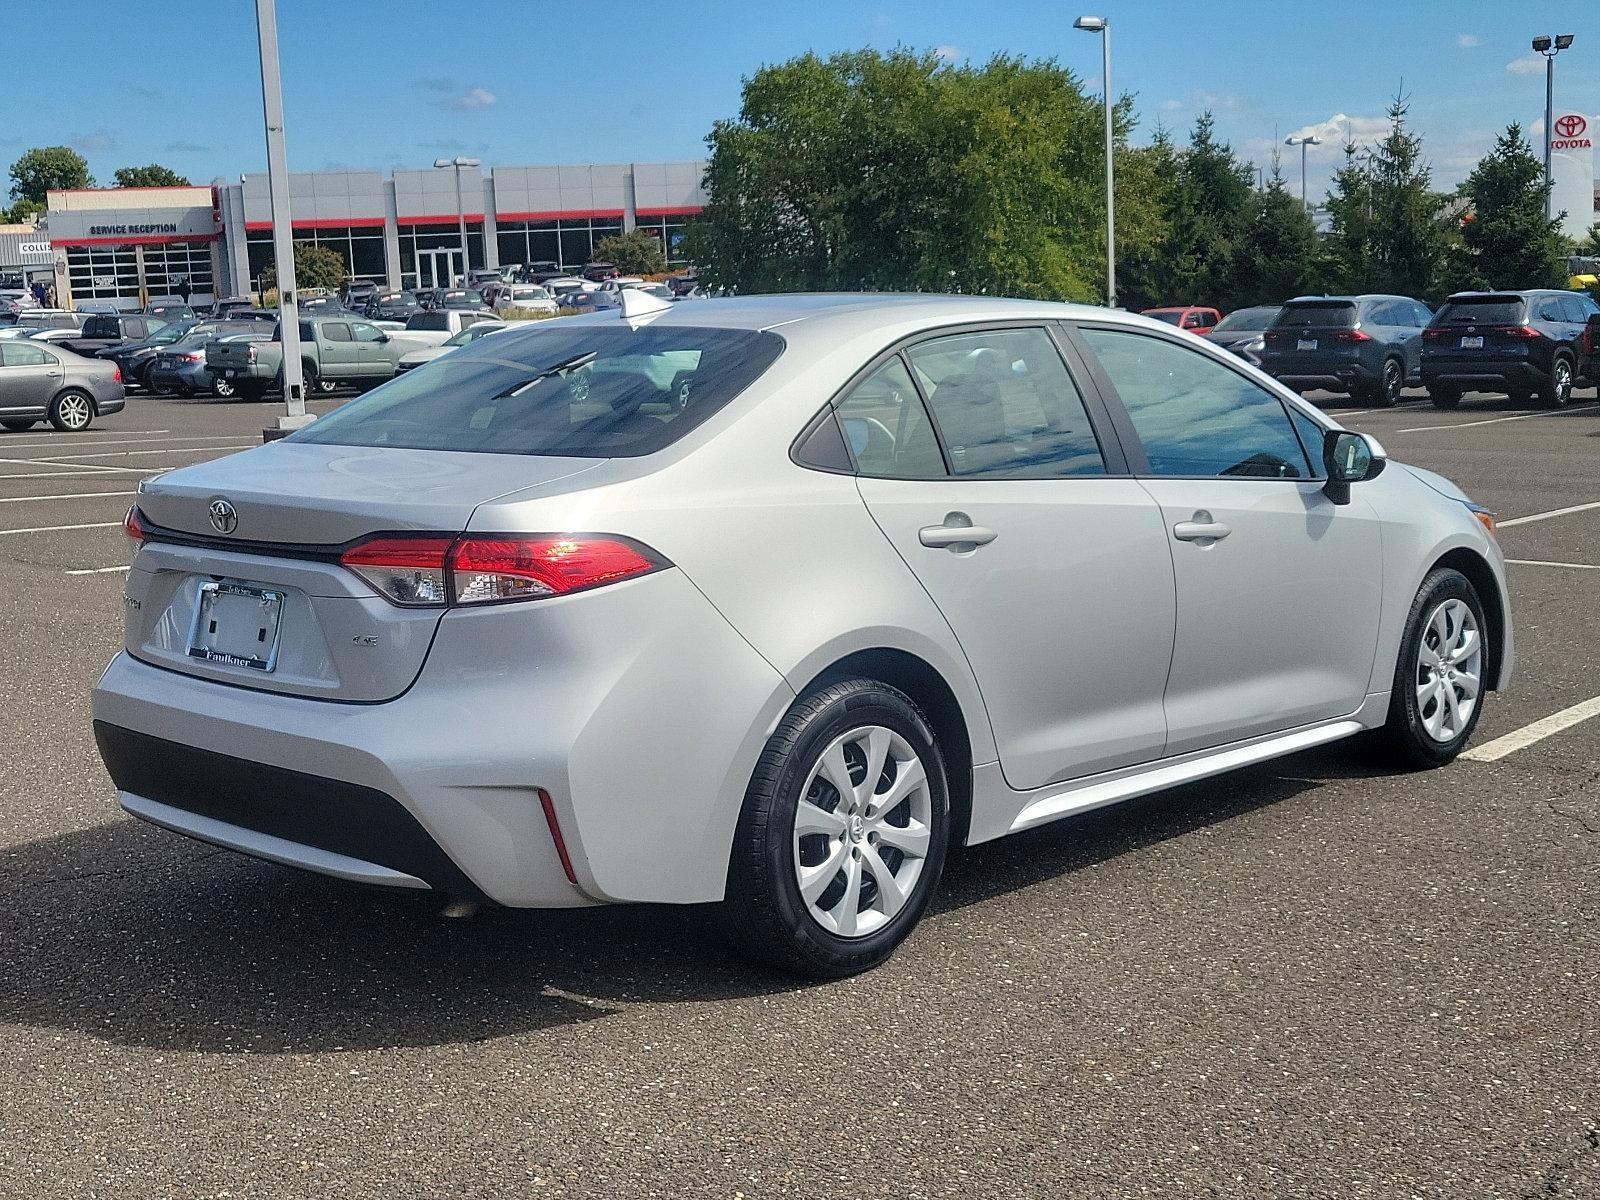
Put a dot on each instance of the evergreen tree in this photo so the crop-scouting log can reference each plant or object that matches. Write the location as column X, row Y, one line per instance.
column 1277, row 249
column 1507, row 242
column 1347, row 257
column 1145, row 273
column 1409, row 235
column 1210, row 203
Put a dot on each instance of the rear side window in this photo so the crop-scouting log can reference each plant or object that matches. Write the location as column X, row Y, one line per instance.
column 887, row 429
column 1317, row 316
column 1548, row 308
column 1006, row 406
column 100, row 327
column 1481, row 310
column 336, row 331
column 585, row 393
column 1195, row 416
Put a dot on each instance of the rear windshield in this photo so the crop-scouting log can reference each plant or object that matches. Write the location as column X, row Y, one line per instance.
column 1481, row 310
column 582, row 392
column 1320, row 315
column 1247, row 319
column 434, row 322
column 1170, row 315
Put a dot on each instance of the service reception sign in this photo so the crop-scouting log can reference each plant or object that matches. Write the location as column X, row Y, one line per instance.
column 1572, row 171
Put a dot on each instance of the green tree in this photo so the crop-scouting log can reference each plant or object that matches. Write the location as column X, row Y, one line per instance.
column 1276, row 253
column 1146, row 276
column 155, row 175
column 1348, row 251
column 901, row 171
column 1589, row 244
column 1209, row 209
column 20, row 213
column 47, row 167
column 314, row 267
column 635, row 253
column 1410, row 231
column 1507, row 241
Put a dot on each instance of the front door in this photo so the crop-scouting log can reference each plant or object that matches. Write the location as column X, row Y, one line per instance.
column 1278, row 588
column 29, row 377
column 1052, row 571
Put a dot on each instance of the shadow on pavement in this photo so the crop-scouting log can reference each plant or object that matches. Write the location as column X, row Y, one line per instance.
column 141, row 937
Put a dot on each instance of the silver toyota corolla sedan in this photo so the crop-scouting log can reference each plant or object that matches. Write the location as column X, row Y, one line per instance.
column 771, row 601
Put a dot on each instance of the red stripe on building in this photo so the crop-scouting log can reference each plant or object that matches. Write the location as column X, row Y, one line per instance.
column 329, row 223
column 687, row 210
column 153, row 240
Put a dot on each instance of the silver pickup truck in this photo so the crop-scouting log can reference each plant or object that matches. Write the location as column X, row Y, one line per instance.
column 335, row 351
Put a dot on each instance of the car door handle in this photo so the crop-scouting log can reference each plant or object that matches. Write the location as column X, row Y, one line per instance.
column 1200, row 531
column 957, row 532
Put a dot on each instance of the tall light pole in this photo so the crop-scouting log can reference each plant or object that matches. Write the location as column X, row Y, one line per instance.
column 1103, row 27
column 294, row 392
column 461, row 213
column 1303, row 142
column 1549, row 47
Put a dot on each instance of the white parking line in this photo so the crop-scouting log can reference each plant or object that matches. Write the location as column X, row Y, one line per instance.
column 55, row 443
column 1529, row 734
column 91, row 472
column 98, row 571
column 1545, row 516
column 60, row 459
column 64, row 496
column 1539, row 562
column 1562, row 412
column 97, row 435
column 58, row 528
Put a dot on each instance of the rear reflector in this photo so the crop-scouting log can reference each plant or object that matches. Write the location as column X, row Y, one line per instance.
column 555, row 835
column 434, row 570
column 132, row 526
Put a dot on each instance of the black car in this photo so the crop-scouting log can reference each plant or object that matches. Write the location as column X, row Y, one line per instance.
column 1368, row 347
column 168, row 310
column 1243, row 331
column 356, row 292
column 103, row 331
column 1530, row 343
column 391, row 305
column 134, row 358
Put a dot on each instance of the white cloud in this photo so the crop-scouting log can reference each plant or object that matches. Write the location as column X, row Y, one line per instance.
column 1468, row 40
column 1528, row 64
column 949, row 53
column 1340, row 128
column 98, row 142
column 472, row 98
column 1173, row 106
column 453, row 96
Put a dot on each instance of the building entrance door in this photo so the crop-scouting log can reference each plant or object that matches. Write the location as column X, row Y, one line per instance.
column 438, row 268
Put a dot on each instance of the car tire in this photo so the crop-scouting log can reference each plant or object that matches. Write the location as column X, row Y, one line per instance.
column 868, row 878
column 1386, row 392
column 1556, row 390
column 223, row 388
column 1445, row 397
column 150, row 385
column 17, row 426
column 1426, row 727
column 315, row 384
column 72, row 411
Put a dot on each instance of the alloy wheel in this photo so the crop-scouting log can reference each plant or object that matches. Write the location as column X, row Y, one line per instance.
column 1449, row 670
column 74, row 411
column 1563, row 382
column 1391, row 383
column 862, row 831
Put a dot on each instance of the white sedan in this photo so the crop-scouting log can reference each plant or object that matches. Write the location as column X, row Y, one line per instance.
column 427, row 354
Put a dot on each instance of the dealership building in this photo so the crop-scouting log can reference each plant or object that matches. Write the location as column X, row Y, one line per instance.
column 123, row 246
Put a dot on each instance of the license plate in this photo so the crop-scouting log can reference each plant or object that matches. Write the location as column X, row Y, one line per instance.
column 1306, row 344
column 228, row 372
column 165, row 362
column 236, row 624
column 1472, row 343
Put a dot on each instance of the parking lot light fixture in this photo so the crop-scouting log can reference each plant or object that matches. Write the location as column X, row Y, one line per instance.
column 456, row 164
column 1550, row 47
column 1303, row 142
column 1103, row 27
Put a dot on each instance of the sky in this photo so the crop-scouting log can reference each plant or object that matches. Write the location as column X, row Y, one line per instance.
column 379, row 84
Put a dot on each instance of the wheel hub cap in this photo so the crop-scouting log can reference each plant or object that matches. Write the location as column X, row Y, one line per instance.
column 1449, row 673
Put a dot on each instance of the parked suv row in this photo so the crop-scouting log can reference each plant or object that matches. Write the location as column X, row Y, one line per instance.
column 1532, row 343
column 1367, row 346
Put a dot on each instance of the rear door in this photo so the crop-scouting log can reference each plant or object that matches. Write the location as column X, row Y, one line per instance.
column 338, row 355
column 1017, row 514
column 29, row 377
column 1278, row 589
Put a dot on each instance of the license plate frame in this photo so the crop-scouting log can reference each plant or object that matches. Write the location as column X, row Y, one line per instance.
column 210, row 640
column 1306, row 344
column 1472, row 343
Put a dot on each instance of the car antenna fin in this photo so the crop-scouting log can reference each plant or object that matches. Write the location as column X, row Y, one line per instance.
column 635, row 303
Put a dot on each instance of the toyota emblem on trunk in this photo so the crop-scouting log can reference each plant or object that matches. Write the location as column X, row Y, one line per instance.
column 224, row 518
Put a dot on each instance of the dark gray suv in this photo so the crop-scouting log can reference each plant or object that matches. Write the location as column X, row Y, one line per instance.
column 1366, row 346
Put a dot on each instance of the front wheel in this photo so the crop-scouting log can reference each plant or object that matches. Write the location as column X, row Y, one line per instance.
column 843, row 833
column 72, row 411
column 1556, row 391
column 1441, row 674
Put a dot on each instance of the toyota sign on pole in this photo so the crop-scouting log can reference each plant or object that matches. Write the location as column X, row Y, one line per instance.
column 1572, row 171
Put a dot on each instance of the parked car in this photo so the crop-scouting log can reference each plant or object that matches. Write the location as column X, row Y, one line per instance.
column 893, row 644
column 1527, row 344
column 391, row 305
column 564, row 288
column 1243, row 331
column 103, row 330
column 170, row 309
column 682, row 284
column 1192, row 317
column 324, row 306
column 1368, row 347
column 16, row 300
column 334, row 351
column 439, row 326
column 226, row 306
column 469, row 298
column 528, row 297
column 43, row 382
column 597, row 272
column 134, row 358
column 426, row 354
column 604, row 298
column 354, row 293
column 480, row 276
column 40, row 334
column 42, row 318
column 181, row 366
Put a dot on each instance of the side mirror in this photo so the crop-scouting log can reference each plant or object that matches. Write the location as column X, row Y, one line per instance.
column 1349, row 458
column 382, row 337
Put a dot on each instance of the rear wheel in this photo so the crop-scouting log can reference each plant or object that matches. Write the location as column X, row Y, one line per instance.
column 1387, row 392
column 1556, row 390
column 223, row 387
column 843, row 833
column 150, row 384
column 1441, row 674
column 72, row 411
column 1444, row 397
column 17, row 426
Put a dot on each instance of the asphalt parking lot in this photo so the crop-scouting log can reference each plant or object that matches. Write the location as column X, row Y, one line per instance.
column 1305, row 979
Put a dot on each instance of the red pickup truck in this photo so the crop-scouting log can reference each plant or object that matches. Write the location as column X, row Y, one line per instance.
column 1186, row 316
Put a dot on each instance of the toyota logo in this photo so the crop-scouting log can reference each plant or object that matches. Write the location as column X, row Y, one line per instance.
column 1571, row 125
column 224, row 518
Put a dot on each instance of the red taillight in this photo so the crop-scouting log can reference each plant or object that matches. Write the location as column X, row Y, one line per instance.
column 434, row 571
column 192, row 357
column 1436, row 334
column 1526, row 332
column 1349, row 335
column 487, row 569
column 116, row 374
column 250, row 353
column 409, row 571
column 132, row 526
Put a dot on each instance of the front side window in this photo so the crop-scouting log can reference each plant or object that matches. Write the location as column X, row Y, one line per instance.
column 1006, row 406
column 886, row 427
column 583, row 392
column 366, row 333
column 1194, row 415
column 336, row 331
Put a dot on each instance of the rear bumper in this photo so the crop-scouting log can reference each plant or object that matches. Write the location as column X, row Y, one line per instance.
column 1332, row 376
column 1482, row 374
column 193, row 377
